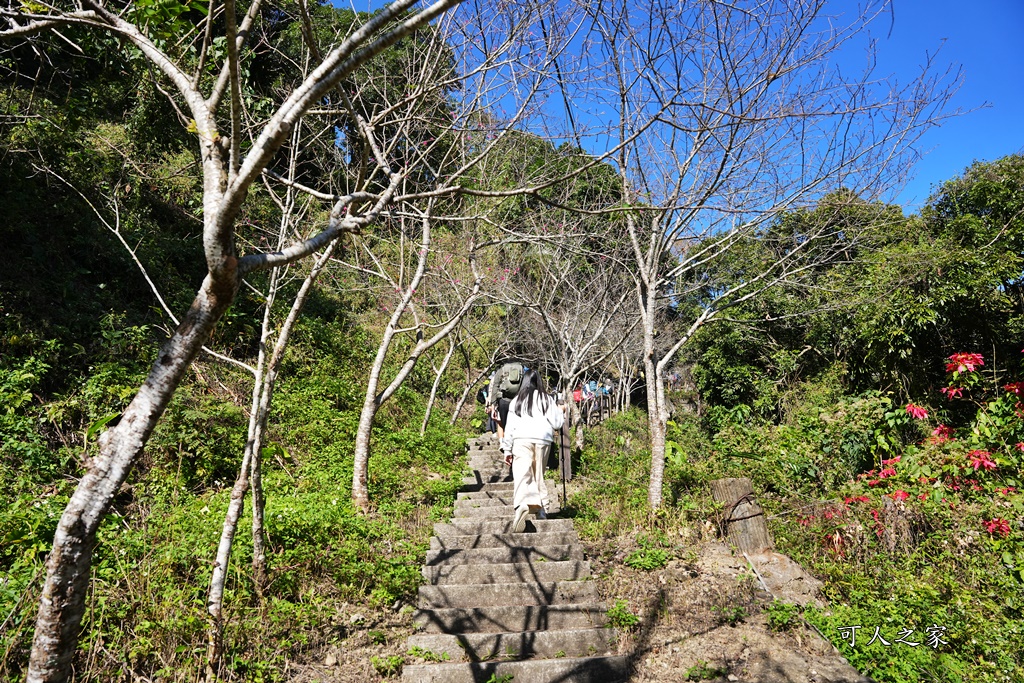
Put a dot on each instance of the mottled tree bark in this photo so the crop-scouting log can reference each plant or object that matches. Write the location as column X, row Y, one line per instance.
column 62, row 603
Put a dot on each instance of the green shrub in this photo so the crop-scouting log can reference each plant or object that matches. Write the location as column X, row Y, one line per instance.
column 648, row 556
column 781, row 615
column 619, row 616
column 387, row 666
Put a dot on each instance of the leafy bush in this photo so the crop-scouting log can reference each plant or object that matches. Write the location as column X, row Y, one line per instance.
column 648, row 556
column 387, row 666
column 781, row 615
column 620, row 616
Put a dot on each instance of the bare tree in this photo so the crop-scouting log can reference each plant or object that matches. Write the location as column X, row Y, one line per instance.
column 500, row 348
column 727, row 116
column 234, row 155
column 439, row 370
column 406, row 276
column 569, row 299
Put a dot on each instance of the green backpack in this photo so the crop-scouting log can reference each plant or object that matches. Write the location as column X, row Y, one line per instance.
column 511, row 378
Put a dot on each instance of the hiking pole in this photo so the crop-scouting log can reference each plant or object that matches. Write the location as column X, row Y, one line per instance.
column 561, row 444
column 561, row 463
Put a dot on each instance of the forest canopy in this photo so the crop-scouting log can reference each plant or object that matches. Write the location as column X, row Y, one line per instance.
column 261, row 257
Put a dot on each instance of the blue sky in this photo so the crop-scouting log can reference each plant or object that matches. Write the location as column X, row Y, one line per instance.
column 985, row 37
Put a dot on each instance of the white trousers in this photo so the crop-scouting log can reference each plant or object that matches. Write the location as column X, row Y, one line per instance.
column 528, row 460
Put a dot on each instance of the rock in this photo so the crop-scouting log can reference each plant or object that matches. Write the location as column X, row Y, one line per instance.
column 331, row 659
column 356, row 619
column 733, row 678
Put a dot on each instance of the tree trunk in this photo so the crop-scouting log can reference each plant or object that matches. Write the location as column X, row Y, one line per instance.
column 360, row 491
column 215, row 598
column 743, row 521
column 655, row 421
column 62, row 603
column 437, row 382
column 259, row 551
column 465, row 395
column 262, row 397
column 215, row 595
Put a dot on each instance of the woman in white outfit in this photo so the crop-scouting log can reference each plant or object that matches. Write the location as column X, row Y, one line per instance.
column 533, row 420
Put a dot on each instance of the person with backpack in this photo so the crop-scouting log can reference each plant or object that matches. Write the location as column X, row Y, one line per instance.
column 534, row 417
column 505, row 383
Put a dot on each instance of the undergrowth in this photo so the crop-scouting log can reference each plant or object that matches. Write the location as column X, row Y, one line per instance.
column 146, row 612
column 931, row 566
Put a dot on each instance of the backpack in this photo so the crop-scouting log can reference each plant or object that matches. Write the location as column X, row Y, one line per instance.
column 511, row 378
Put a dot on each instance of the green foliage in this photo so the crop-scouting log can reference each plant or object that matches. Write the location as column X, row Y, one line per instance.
column 731, row 614
column 428, row 655
column 619, row 616
column 500, row 678
column 649, row 556
column 702, row 671
column 782, row 616
column 387, row 667
column 617, row 456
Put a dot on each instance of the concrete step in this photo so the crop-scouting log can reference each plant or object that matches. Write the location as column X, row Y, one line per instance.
column 544, row 572
column 496, row 594
column 503, row 540
column 495, row 511
column 485, row 473
column 564, row 670
column 470, row 503
column 505, row 555
column 468, row 526
column 487, row 466
column 480, row 495
column 478, row 479
column 493, row 487
column 507, row 618
column 483, row 646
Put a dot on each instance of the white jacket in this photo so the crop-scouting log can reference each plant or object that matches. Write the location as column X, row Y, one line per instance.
column 538, row 426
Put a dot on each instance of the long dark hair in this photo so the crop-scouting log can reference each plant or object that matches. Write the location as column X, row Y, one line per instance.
column 531, row 390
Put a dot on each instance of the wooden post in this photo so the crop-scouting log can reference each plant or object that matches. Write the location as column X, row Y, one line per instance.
column 743, row 522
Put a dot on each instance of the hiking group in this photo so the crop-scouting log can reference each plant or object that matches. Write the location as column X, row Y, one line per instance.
column 527, row 419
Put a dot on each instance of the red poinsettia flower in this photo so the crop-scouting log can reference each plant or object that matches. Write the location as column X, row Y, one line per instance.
column 900, row 494
column 916, row 411
column 942, row 434
column 998, row 527
column 892, row 461
column 1016, row 388
column 952, row 392
column 887, row 472
column 964, row 362
column 982, row 459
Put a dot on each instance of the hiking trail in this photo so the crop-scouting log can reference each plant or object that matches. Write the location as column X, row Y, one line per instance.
column 504, row 606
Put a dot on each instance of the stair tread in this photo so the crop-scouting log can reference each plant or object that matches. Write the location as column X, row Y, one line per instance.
column 563, row 670
column 514, row 604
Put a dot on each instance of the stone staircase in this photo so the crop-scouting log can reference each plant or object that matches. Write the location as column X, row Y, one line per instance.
column 504, row 607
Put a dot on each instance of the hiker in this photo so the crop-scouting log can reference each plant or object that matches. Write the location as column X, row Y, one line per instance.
column 492, row 421
column 533, row 420
column 504, row 386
